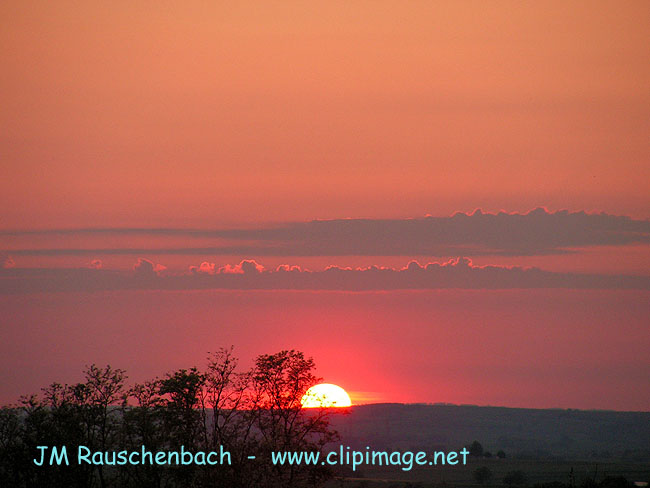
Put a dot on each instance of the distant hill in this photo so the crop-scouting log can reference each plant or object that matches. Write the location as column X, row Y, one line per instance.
column 522, row 433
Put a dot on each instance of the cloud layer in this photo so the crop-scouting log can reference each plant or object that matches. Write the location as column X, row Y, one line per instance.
column 537, row 232
column 249, row 275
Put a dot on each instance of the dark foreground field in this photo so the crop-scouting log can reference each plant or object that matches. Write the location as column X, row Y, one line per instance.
column 536, row 473
column 571, row 447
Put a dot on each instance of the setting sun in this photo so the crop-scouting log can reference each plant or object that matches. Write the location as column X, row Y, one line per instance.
column 325, row 395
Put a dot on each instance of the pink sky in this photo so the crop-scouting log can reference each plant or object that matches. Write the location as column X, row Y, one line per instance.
column 545, row 348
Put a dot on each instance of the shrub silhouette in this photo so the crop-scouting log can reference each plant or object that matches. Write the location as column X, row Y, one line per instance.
column 475, row 449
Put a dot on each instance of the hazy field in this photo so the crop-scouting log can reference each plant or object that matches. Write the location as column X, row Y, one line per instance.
column 544, row 444
column 462, row 476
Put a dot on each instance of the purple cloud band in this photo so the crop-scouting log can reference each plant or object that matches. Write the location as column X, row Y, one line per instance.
column 249, row 275
column 537, row 232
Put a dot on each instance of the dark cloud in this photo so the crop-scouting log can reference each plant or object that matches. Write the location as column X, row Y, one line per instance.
column 537, row 232
column 143, row 267
column 249, row 275
column 146, row 268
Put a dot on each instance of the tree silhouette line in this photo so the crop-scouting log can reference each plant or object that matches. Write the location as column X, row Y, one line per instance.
column 250, row 413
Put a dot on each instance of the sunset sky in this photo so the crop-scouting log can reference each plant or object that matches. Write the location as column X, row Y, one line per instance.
column 438, row 201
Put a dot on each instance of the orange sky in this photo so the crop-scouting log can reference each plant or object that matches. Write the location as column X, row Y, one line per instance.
column 119, row 117
column 201, row 113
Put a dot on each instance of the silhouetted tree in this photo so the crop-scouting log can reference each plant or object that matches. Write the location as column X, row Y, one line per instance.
column 475, row 449
column 248, row 413
column 142, row 425
column 181, row 392
column 68, row 415
column 103, row 388
column 11, row 446
column 227, row 416
column 279, row 382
